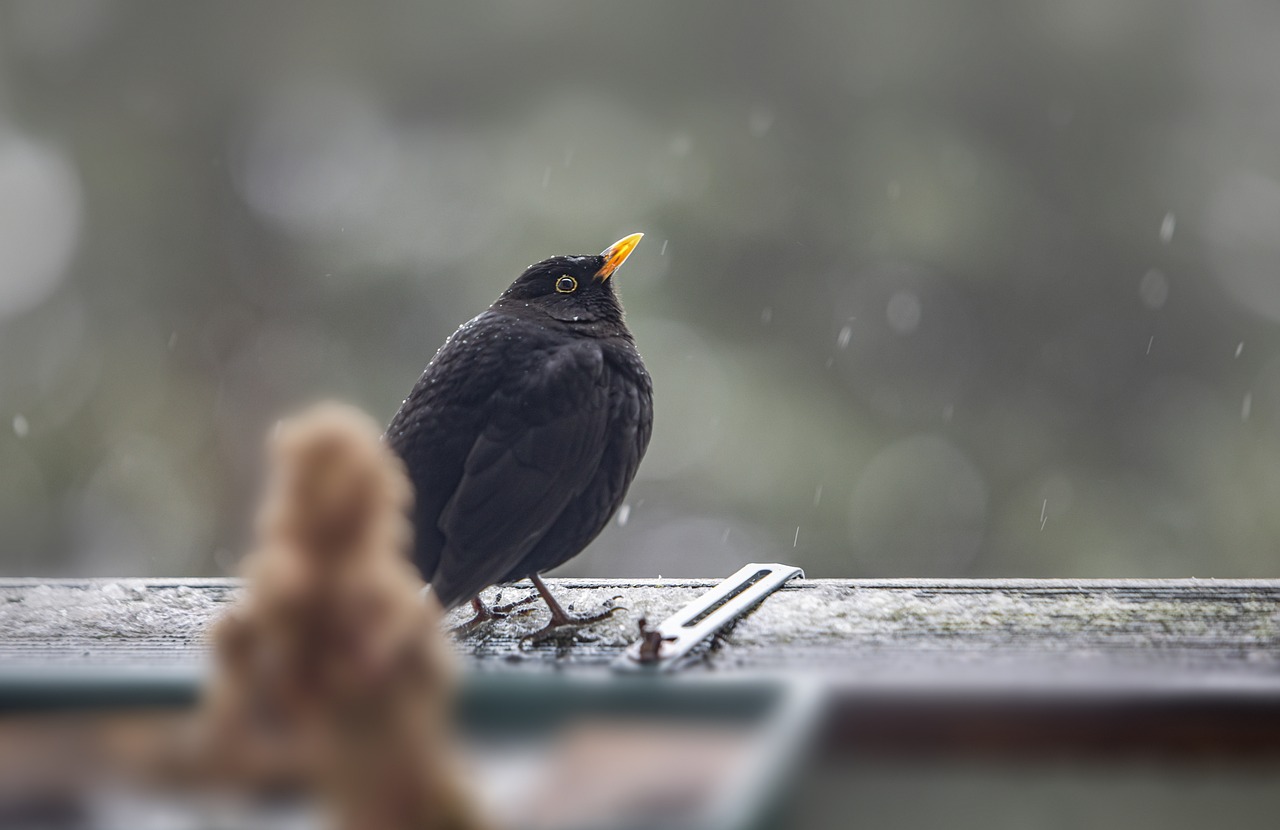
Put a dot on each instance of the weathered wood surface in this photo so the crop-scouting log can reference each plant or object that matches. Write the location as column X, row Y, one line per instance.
column 1177, row 667
column 1200, row 634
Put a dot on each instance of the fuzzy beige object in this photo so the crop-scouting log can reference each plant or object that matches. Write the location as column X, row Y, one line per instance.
column 331, row 672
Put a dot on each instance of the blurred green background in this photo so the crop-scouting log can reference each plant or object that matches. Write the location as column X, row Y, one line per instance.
column 927, row 289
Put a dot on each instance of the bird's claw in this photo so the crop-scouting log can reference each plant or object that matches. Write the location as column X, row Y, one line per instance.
column 509, row 610
column 485, row 615
column 567, row 626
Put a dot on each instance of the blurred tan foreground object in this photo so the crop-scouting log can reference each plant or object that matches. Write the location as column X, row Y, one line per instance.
column 330, row 673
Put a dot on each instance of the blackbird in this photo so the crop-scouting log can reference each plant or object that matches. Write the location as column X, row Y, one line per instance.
column 525, row 431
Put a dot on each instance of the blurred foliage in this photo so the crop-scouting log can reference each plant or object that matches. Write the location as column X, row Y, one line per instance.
column 928, row 288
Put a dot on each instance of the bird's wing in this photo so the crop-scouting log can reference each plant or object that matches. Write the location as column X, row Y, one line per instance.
column 541, row 445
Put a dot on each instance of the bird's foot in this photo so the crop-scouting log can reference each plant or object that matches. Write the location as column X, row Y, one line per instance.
column 509, row 610
column 485, row 615
column 563, row 624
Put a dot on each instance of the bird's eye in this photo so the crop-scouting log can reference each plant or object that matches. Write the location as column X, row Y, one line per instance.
column 566, row 285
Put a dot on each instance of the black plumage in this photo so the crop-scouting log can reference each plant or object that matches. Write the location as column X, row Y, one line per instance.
column 525, row 430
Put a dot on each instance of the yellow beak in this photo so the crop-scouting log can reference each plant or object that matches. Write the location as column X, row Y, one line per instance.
column 616, row 254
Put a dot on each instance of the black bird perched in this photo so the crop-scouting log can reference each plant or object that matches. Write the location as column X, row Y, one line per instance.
column 525, row 430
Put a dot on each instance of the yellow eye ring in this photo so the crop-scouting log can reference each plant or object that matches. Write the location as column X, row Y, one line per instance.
column 566, row 285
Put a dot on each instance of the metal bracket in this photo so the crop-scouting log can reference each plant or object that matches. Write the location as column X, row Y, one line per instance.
column 661, row 649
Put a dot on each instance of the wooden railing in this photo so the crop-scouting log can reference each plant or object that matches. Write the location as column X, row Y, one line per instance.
column 1181, row 666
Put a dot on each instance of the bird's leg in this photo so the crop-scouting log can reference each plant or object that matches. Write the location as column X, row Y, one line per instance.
column 561, row 619
column 484, row 614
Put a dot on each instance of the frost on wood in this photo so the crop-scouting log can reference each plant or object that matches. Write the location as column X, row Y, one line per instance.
column 1193, row 628
column 131, row 620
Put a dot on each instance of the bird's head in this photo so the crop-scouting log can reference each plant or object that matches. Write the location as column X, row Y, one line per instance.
column 572, row 288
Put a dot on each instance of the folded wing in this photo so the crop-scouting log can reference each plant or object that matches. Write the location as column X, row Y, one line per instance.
column 538, row 451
